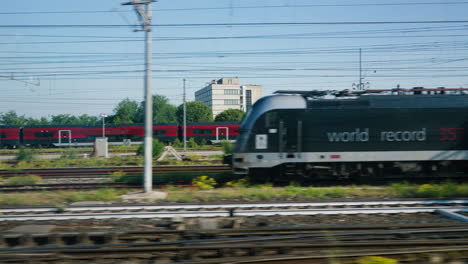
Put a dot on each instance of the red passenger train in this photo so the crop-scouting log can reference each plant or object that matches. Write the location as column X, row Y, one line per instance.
column 117, row 134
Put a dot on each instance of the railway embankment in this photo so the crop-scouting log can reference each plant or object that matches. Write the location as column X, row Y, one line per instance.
column 234, row 192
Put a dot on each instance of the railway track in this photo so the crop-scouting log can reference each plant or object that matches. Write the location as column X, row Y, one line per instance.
column 230, row 210
column 94, row 178
column 261, row 245
column 172, row 241
column 106, row 172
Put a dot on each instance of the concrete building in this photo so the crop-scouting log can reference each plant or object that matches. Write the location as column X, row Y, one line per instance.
column 228, row 93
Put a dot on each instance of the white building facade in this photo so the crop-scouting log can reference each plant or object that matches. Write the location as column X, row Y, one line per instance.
column 227, row 93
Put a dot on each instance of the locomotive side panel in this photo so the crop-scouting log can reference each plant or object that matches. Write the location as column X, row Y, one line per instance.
column 347, row 137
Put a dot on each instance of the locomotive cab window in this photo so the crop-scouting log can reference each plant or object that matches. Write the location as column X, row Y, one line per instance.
column 271, row 120
column 2, row 135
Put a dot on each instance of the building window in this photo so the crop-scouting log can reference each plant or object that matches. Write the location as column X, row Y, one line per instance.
column 248, row 99
column 231, row 102
column 231, row 91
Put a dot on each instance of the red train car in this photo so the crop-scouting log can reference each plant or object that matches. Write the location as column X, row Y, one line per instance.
column 9, row 137
column 117, row 134
column 85, row 135
column 212, row 132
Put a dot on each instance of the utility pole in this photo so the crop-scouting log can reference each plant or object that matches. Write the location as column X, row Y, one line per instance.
column 360, row 70
column 185, row 123
column 145, row 16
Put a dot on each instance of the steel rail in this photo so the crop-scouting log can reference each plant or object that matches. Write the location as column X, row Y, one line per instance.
column 222, row 213
column 251, row 252
column 62, row 186
column 244, row 206
column 71, row 172
column 239, row 236
column 339, row 236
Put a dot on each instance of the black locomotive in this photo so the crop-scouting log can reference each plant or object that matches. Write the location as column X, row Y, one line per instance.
column 365, row 134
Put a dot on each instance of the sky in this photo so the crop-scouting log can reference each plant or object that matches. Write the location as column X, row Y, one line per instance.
column 59, row 57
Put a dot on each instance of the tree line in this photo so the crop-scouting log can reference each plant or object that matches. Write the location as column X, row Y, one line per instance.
column 130, row 111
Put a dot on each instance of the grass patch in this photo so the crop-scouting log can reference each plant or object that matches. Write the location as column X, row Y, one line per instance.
column 70, row 160
column 67, row 161
column 241, row 191
column 444, row 190
column 24, row 180
column 59, row 198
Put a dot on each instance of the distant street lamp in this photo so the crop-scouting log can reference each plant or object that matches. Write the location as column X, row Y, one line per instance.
column 103, row 125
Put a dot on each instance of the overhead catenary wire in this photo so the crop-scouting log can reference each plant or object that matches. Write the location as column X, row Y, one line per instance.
column 210, row 8
column 247, row 24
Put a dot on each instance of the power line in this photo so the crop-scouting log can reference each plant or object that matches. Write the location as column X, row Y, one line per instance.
column 244, row 24
column 239, row 7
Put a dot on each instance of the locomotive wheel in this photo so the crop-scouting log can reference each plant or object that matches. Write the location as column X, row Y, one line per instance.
column 259, row 176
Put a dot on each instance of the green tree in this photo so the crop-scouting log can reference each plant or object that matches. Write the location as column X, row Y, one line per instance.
column 11, row 118
column 158, row 148
column 230, row 115
column 37, row 122
column 85, row 119
column 125, row 112
column 64, row 119
column 163, row 112
column 196, row 112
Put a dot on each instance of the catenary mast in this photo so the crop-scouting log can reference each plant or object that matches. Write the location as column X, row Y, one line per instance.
column 145, row 15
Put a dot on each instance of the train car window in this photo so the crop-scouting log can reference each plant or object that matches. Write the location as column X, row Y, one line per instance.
column 271, row 120
column 2, row 135
column 159, row 132
column 44, row 134
column 91, row 138
column 202, row 131
column 134, row 137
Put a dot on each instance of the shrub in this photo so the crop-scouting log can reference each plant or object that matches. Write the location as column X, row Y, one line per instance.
column 376, row 260
column 238, row 183
column 158, row 148
column 118, row 175
column 24, row 154
column 24, row 180
column 177, row 143
column 191, row 143
column 204, row 182
column 202, row 142
column 402, row 189
column 427, row 190
column 227, row 147
column 69, row 154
